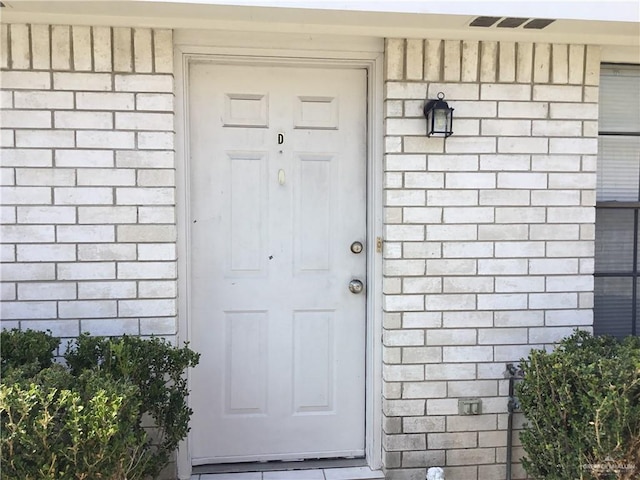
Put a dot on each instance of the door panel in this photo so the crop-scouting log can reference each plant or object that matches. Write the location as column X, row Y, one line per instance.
column 277, row 178
column 314, row 352
column 313, row 210
column 246, row 360
column 245, row 204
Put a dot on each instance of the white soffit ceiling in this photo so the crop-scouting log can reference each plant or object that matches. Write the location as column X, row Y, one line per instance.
column 615, row 22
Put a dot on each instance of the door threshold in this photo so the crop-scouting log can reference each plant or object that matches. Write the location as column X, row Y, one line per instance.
column 313, row 464
column 332, row 473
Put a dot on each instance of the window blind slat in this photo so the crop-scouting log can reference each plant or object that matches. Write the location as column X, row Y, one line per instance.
column 613, row 306
column 618, row 169
column 619, row 98
column 614, row 240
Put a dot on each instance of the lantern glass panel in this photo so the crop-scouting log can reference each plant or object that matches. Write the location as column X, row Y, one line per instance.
column 440, row 120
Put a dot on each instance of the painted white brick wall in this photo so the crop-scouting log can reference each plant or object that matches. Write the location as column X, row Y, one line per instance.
column 88, row 202
column 489, row 238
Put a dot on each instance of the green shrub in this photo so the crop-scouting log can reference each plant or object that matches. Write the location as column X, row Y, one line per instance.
column 582, row 407
column 156, row 368
column 29, row 350
column 50, row 432
column 90, row 419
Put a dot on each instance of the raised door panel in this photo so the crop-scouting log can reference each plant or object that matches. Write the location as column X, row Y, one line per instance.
column 246, row 363
column 313, row 212
column 245, row 213
column 314, row 380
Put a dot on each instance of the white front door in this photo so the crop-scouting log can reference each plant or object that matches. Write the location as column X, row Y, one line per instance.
column 278, row 197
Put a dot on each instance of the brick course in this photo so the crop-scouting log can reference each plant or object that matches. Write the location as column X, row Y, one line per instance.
column 88, row 209
column 489, row 237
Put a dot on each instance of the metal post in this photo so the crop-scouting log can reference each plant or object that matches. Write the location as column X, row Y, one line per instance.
column 512, row 405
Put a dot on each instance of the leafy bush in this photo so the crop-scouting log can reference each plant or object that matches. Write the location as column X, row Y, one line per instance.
column 86, row 432
column 156, row 368
column 582, row 406
column 89, row 420
column 28, row 350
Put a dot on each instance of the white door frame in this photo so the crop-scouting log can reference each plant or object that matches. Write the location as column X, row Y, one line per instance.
column 253, row 52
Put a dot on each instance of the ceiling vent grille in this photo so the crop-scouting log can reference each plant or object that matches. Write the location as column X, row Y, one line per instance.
column 511, row 22
column 539, row 23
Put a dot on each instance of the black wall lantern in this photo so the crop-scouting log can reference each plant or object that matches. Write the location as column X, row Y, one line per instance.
column 439, row 117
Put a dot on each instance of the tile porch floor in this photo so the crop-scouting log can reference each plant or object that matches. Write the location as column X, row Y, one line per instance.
column 345, row 473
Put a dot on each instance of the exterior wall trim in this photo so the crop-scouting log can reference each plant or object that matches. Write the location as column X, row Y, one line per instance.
column 372, row 61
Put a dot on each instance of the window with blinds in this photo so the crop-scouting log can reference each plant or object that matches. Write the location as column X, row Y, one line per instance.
column 617, row 263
